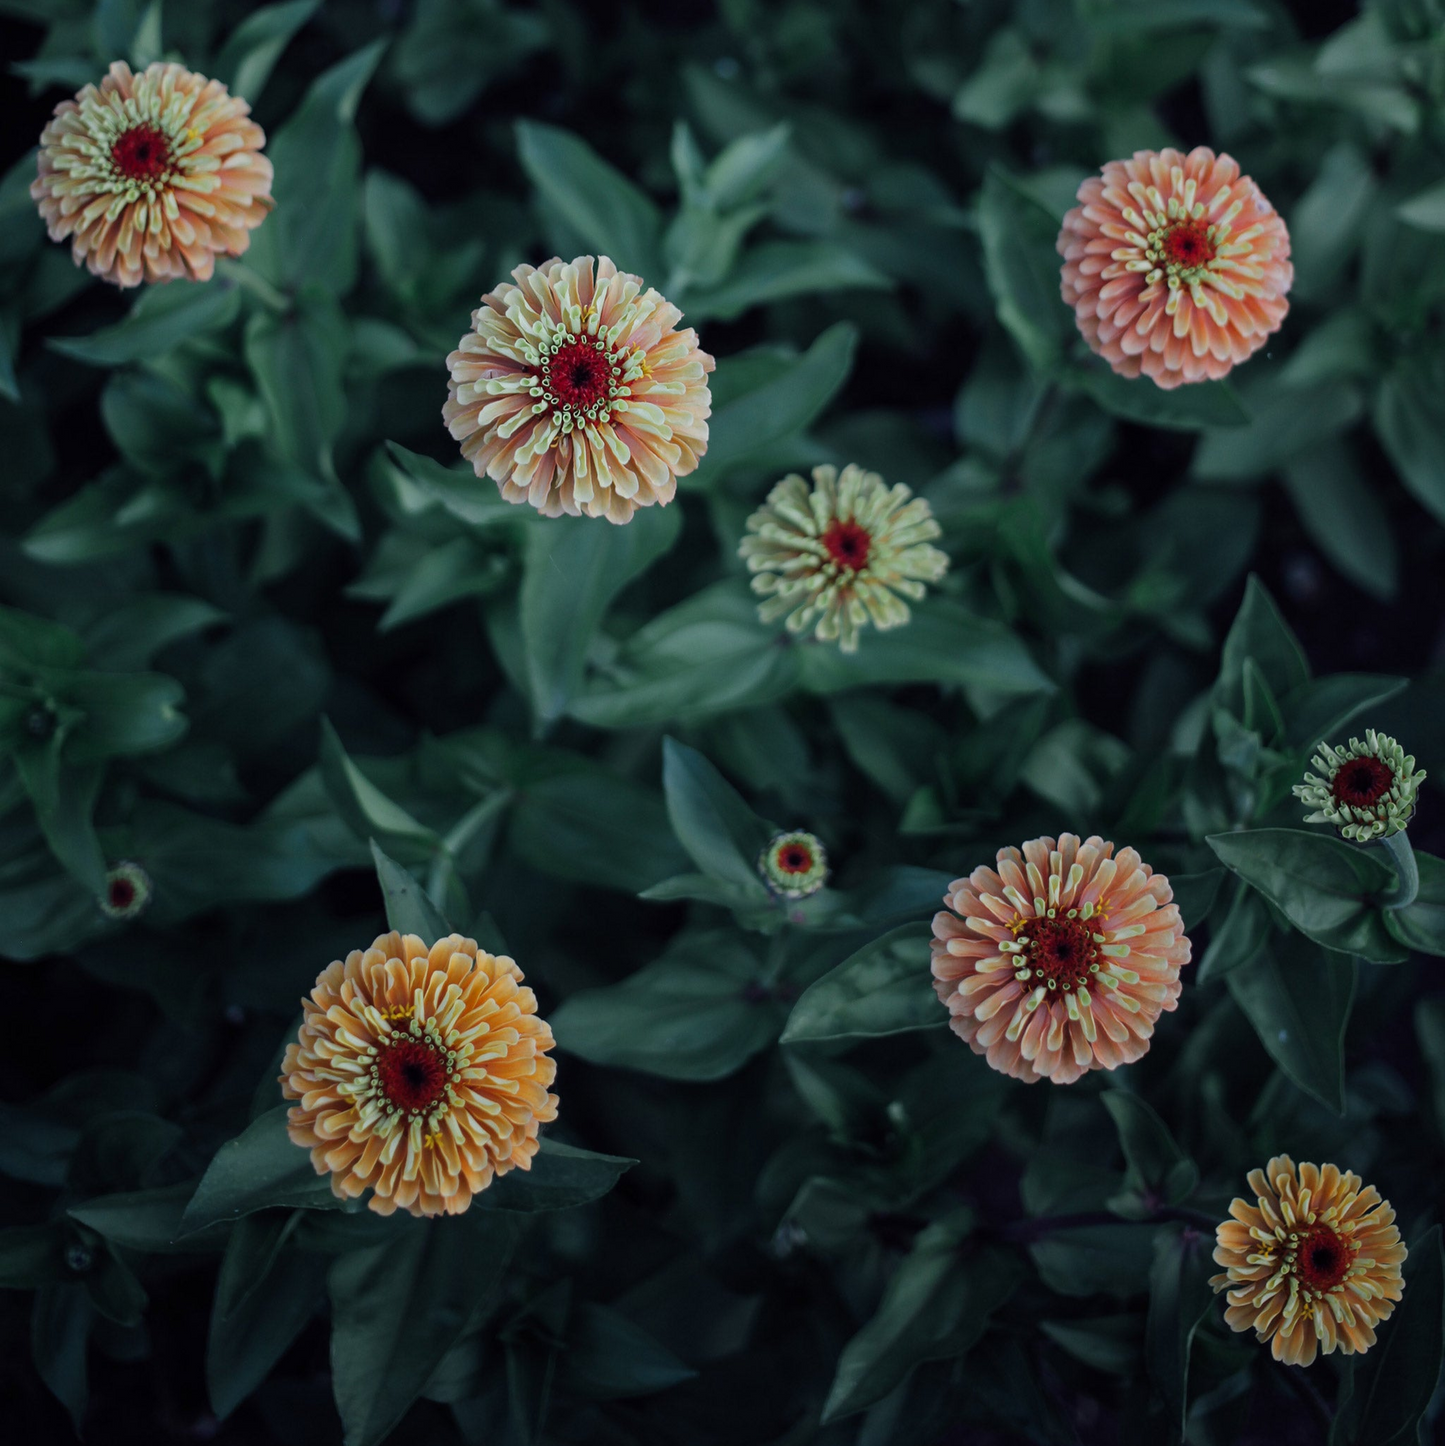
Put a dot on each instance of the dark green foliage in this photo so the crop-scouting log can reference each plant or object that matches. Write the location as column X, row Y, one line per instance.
column 264, row 635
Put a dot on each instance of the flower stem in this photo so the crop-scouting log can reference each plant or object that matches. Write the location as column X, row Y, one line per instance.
column 1305, row 1389
column 1407, row 872
column 258, row 286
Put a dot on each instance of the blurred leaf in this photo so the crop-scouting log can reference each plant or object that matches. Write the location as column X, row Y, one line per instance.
column 1345, row 519
column 1179, row 1296
column 64, row 800
column 561, row 1177
column 1195, row 894
column 698, row 1013
column 1421, row 925
column 1298, row 999
column 1410, row 423
column 408, row 909
column 397, row 1308
column 368, row 812
column 721, row 834
column 1425, row 210
column 245, row 62
column 884, row 988
column 1192, row 408
column 608, row 213
column 162, row 317
column 1023, row 270
column 1315, row 711
column 608, row 1358
column 776, row 270
column 59, row 1329
column 1156, row 1163
column 1285, row 422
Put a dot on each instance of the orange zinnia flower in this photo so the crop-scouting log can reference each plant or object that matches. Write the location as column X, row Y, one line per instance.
column 576, row 393
column 1175, row 265
column 1062, row 960
column 153, row 176
column 422, row 1073
column 1313, row 1264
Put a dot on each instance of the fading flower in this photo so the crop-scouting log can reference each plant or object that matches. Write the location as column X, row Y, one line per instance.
column 153, row 176
column 127, row 891
column 794, row 865
column 422, row 1073
column 1313, row 1264
column 1176, row 266
column 1061, row 960
column 576, row 393
column 841, row 552
column 1368, row 790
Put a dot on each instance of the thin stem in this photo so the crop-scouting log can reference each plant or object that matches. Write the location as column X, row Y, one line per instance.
column 258, row 286
column 1407, row 871
column 1306, row 1390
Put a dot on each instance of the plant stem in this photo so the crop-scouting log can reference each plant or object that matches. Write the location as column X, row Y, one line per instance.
column 1407, row 871
column 1301, row 1385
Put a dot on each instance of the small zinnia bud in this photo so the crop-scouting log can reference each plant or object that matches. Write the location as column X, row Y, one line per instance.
column 127, row 891
column 1313, row 1264
column 153, row 176
column 1368, row 790
column 794, row 865
column 1176, row 266
column 577, row 393
column 1061, row 960
column 422, row 1073
column 839, row 553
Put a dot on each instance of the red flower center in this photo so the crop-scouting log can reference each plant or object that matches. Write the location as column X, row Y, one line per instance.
column 1187, row 244
column 1322, row 1260
column 413, row 1075
column 578, row 375
column 122, row 893
column 1362, row 782
column 1063, row 949
column 142, row 153
column 795, row 859
column 848, row 545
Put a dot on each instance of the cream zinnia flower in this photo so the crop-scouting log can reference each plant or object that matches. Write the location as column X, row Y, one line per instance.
column 578, row 394
column 1368, row 790
column 1061, row 960
column 794, row 865
column 1313, row 1264
column 153, row 176
column 422, row 1073
column 833, row 555
column 1175, row 265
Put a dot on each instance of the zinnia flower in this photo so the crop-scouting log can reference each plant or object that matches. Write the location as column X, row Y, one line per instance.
column 153, row 175
column 794, row 865
column 1175, row 265
column 1061, row 960
column 847, row 549
column 578, row 394
column 422, row 1073
column 1368, row 790
column 1313, row 1263
column 127, row 891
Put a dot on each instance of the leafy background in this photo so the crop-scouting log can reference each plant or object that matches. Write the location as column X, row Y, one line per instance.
column 269, row 640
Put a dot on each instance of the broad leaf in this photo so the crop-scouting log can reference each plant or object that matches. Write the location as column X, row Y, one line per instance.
column 885, row 988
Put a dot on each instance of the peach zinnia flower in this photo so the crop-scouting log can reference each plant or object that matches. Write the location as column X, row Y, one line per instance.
column 422, row 1073
column 578, row 393
column 153, row 176
column 1175, row 265
column 1061, row 960
column 1313, row 1264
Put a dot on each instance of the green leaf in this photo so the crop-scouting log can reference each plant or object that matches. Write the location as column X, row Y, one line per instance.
column 252, row 49
column 777, row 270
column 265, row 1295
column 561, row 1177
column 163, row 317
column 124, row 714
column 1409, row 420
column 59, row 1330
column 399, row 1307
column 1425, row 209
column 936, row 1305
column 313, row 236
column 1156, row 1163
column 259, row 1169
column 1239, row 937
column 606, row 211
column 1192, row 408
column 1196, row 894
column 32, row 1255
column 1260, row 632
column 1179, row 1296
column 885, row 988
column 1286, row 422
column 782, row 406
column 368, row 812
column 1298, row 999
column 1109, row 1343
column 721, row 834
column 64, row 800
column 1395, row 1382
column 697, row 1013
column 573, row 570
column 1315, row 711
column 129, row 635
column 1322, row 885
column 470, row 499
column 608, row 1358
column 1345, row 517
column 1421, row 925
column 408, row 909
column 140, row 1219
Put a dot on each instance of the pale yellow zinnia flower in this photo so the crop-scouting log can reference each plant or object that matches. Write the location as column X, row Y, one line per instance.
column 152, row 176
column 421, row 1073
column 1313, row 1264
column 575, row 391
